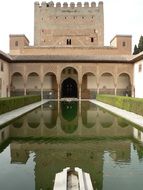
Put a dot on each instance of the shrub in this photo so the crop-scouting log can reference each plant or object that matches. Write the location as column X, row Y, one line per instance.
column 11, row 103
column 128, row 103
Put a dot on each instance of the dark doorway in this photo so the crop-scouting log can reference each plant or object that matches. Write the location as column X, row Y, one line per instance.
column 69, row 89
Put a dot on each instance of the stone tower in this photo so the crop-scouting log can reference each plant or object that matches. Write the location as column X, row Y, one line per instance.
column 80, row 25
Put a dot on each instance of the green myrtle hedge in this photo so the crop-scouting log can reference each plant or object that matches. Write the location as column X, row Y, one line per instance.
column 127, row 103
column 11, row 103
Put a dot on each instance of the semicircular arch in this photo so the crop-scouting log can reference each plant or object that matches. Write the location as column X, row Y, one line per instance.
column 106, row 83
column 33, row 74
column 17, row 84
column 89, row 85
column 50, row 86
column 124, row 73
column 70, row 67
column 69, row 88
column 88, row 73
column 124, row 84
column 17, row 74
column 33, row 84
column 69, row 82
column 106, row 73
column 49, row 72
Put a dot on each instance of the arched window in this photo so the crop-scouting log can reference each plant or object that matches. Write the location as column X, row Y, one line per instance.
column 92, row 39
column 68, row 41
column 124, row 44
column 16, row 43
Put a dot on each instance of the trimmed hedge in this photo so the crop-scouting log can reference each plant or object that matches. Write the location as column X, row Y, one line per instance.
column 11, row 103
column 127, row 103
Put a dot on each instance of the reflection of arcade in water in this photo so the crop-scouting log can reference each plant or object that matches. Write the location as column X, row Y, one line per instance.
column 69, row 121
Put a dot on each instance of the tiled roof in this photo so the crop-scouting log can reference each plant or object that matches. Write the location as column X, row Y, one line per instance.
column 5, row 56
column 71, row 58
column 63, row 58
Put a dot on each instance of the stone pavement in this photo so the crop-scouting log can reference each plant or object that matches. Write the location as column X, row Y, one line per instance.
column 130, row 116
column 7, row 117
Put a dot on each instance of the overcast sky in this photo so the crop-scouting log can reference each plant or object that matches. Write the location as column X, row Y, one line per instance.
column 120, row 17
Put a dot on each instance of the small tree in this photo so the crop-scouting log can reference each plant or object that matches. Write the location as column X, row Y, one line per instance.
column 140, row 44
column 136, row 50
column 139, row 48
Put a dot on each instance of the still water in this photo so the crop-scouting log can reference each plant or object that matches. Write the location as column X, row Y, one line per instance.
column 36, row 146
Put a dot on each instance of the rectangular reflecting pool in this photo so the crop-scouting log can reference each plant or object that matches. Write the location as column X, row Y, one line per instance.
column 43, row 142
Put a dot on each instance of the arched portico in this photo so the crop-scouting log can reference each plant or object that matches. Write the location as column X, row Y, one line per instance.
column 106, row 84
column 89, row 86
column 50, row 86
column 124, row 85
column 69, row 88
column 17, row 84
column 69, row 83
column 33, row 84
column 88, row 79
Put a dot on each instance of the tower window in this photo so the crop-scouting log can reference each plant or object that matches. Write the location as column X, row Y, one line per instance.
column 68, row 41
column 16, row 43
column 92, row 39
column 124, row 44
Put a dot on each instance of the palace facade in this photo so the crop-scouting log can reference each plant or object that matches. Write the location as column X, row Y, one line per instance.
column 68, row 58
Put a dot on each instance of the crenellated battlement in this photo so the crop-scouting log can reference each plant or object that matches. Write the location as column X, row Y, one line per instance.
column 69, row 5
column 69, row 23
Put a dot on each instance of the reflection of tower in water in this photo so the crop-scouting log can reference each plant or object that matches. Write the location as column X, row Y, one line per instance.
column 52, row 157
